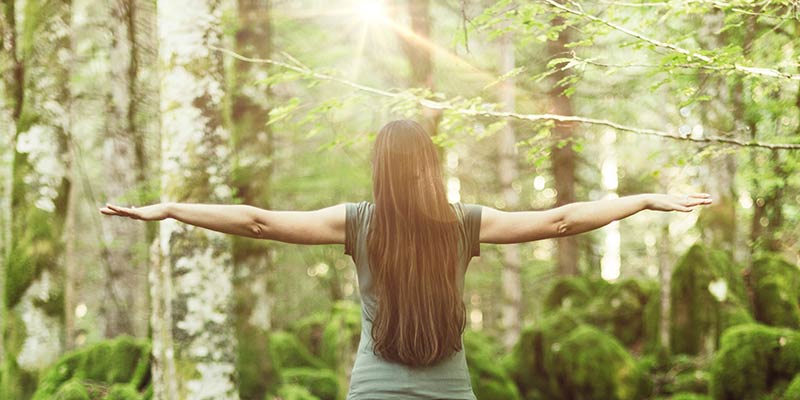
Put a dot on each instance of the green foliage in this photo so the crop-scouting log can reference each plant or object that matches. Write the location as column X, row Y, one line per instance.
column 489, row 378
column 754, row 359
column 292, row 392
column 123, row 392
column 341, row 335
column 122, row 360
column 286, row 351
column 72, row 390
column 689, row 396
column 628, row 309
column 323, row 382
column 590, row 364
column 793, row 391
column 621, row 309
column 698, row 317
column 571, row 292
column 776, row 294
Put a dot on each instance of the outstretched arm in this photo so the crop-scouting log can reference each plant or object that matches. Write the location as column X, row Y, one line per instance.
column 574, row 218
column 324, row 226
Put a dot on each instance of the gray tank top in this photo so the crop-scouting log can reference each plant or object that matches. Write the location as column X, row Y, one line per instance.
column 376, row 378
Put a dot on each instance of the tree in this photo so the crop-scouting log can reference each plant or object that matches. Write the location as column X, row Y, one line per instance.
column 416, row 44
column 33, row 305
column 562, row 156
column 194, row 343
column 126, row 306
column 252, row 175
column 507, row 171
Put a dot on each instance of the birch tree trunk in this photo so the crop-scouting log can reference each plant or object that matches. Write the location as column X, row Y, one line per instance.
column 125, row 305
column 252, row 175
column 194, row 344
column 562, row 157
column 34, row 298
column 507, row 169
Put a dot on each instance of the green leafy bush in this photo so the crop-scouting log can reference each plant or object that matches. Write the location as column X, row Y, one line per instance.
column 322, row 383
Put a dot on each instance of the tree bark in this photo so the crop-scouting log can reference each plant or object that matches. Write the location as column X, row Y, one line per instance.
column 195, row 344
column 417, row 47
column 507, row 168
column 253, row 169
column 123, row 254
column 563, row 156
column 34, row 301
column 10, row 106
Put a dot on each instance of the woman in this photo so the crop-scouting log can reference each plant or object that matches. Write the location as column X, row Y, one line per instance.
column 411, row 249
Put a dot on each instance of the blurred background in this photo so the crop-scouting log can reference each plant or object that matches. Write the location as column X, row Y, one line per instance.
column 276, row 104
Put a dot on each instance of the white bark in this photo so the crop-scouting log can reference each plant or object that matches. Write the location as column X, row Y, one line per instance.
column 197, row 340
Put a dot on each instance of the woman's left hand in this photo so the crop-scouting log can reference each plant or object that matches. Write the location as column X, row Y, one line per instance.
column 155, row 212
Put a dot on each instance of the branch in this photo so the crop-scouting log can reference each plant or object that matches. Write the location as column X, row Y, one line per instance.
column 444, row 105
column 769, row 72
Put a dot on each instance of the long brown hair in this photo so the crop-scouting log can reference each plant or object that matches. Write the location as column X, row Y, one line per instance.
column 413, row 254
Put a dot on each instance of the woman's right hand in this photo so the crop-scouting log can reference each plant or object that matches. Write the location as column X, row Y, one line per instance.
column 673, row 202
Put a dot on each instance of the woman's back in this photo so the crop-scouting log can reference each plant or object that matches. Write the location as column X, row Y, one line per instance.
column 375, row 378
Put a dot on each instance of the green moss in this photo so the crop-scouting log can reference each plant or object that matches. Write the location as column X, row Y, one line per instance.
column 621, row 310
column 753, row 360
column 323, row 383
column 286, row 351
column 590, row 364
column 489, row 379
column 776, row 291
column 123, row 392
column 123, row 360
column 698, row 317
column 292, row 392
column 689, row 396
column 793, row 391
column 570, row 293
column 526, row 363
column 72, row 390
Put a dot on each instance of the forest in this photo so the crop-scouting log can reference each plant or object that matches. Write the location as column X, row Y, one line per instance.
column 276, row 104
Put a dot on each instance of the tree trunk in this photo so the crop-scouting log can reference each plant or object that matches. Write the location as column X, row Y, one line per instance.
column 665, row 261
column 417, row 47
column 34, row 301
column 195, row 344
column 10, row 106
column 507, row 168
column 124, row 260
column 562, row 154
column 253, row 169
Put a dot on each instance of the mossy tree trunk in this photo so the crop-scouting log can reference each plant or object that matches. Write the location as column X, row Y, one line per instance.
column 33, row 313
column 125, row 307
column 507, row 171
column 562, row 155
column 10, row 107
column 194, row 344
column 252, row 175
